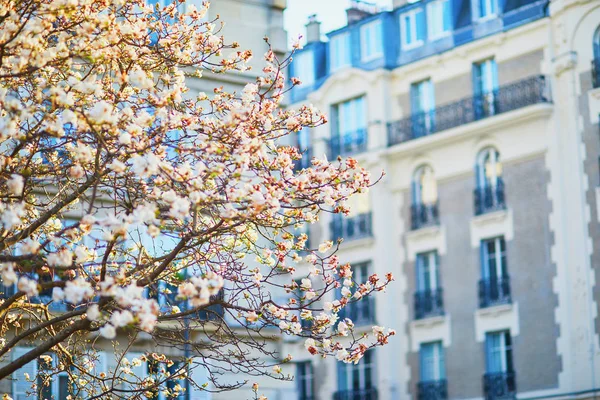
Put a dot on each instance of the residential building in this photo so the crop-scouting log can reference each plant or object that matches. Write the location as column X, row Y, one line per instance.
column 484, row 115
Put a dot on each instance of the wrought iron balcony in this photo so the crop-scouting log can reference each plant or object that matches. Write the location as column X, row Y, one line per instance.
column 432, row 390
column 429, row 303
column 361, row 312
column 510, row 97
column 494, row 292
column 500, row 385
column 348, row 143
column 596, row 72
column 489, row 198
column 422, row 215
column 351, row 228
column 359, row 394
column 305, row 161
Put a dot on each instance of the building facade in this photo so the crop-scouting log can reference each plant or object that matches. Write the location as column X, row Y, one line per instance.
column 484, row 115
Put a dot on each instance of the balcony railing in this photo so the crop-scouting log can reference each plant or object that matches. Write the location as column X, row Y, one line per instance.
column 348, row 143
column 510, row 97
column 359, row 394
column 429, row 303
column 422, row 215
column 489, row 198
column 351, row 228
column 494, row 291
column 432, row 390
column 361, row 312
column 499, row 385
column 596, row 73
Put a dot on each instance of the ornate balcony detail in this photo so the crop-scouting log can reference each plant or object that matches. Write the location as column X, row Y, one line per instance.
column 499, row 385
column 489, row 198
column 348, row 143
column 510, row 97
column 351, row 228
column 429, row 303
column 596, row 73
column 360, row 394
column 423, row 215
column 494, row 292
column 432, row 390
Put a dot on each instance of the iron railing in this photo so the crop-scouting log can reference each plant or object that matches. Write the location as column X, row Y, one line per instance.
column 500, row 385
column 596, row 72
column 422, row 215
column 429, row 303
column 489, row 198
column 348, row 143
column 532, row 90
column 432, row 390
column 359, row 394
column 351, row 228
column 494, row 291
column 361, row 312
column 305, row 161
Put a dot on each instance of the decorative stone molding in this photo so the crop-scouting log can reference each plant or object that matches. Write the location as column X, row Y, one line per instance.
column 496, row 318
column 430, row 330
column 493, row 224
column 564, row 62
column 425, row 239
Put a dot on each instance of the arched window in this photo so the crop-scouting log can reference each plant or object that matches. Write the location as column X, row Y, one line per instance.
column 489, row 192
column 596, row 60
column 424, row 210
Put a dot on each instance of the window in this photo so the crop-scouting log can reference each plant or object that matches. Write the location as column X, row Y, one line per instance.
column 494, row 259
column 498, row 352
column 371, row 41
column 304, row 67
column 432, row 362
column 358, row 378
column 485, row 77
column 487, row 8
column 339, row 48
column 412, row 25
column 424, row 210
column 439, row 19
column 428, row 278
column 349, row 125
column 360, row 311
column 174, row 384
column 489, row 192
column 304, row 380
column 303, row 145
column 596, row 60
column 423, row 108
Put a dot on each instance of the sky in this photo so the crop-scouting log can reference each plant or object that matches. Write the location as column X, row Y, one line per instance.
column 332, row 14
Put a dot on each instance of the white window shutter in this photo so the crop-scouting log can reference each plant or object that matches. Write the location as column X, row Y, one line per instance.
column 199, row 375
column 21, row 385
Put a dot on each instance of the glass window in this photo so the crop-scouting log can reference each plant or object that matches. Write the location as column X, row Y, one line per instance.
column 304, row 67
column 304, row 380
column 498, row 352
column 412, row 25
column 371, row 41
column 432, row 362
column 428, row 278
column 487, row 8
column 357, row 377
column 439, row 19
column 494, row 259
column 424, row 186
column 485, row 76
column 339, row 48
column 350, row 116
column 359, row 311
column 489, row 168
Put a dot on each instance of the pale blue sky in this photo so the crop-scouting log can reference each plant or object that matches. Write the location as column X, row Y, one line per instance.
column 332, row 14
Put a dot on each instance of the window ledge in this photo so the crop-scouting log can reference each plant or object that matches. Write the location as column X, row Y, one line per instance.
column 492, row 224
column 496, row 318
column 430, row 330
column 360, row 242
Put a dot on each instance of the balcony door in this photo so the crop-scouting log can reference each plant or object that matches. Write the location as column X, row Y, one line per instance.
column 494, row 259
column 356, row 381
column 485, row 86
column 422, row 107
column 432, row 362
column 349, row 124
column 500, row 378
column 427, row 272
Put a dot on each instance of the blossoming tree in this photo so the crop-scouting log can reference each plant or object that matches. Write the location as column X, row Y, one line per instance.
column 131, row 207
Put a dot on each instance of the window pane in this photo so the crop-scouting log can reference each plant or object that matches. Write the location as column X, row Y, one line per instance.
column 420, row 23
column 447, row 12
column 407, row 30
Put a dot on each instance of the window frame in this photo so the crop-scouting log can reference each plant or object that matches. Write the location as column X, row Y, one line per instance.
column 491, row 5
column 371, row 33
column 364, row 369
column 336, row 43
column 500, row 264
column 435, row 9
column 304, row 67
column 414, row 30
column 504, row 349
column 305, row 380
column 493, row 155
column 437, row 361
column 427, row 262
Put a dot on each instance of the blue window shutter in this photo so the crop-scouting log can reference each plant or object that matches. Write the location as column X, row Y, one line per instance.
column 379, row 38
column 407, row 29
column 477, row 84
column 415, row 98
column 447, row 10
column 442, row 361
column 420, row 21
column 483, row 256
column 494, row 72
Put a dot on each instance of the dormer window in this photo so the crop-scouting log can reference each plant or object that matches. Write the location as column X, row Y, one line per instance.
column 439, row 19
column 412, row 25
column 371, row 41
column 339, row 51
column 488, row 8
column 304, row 67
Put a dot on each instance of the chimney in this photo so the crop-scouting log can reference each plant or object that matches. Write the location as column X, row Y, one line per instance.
column 359, row 10
column 313, row 29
